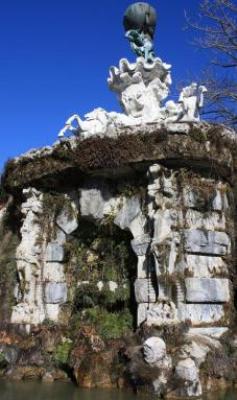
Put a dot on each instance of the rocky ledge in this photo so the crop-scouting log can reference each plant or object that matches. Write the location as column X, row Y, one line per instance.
column 196, row 145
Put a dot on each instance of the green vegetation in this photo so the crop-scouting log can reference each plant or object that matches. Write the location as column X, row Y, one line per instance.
column 53, row 204
column 88, row 295
column 9, row 240
column 62, row 352
column 102, row 254
column 109, row 325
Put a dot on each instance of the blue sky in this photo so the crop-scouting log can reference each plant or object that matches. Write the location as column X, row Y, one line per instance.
column 55, row 56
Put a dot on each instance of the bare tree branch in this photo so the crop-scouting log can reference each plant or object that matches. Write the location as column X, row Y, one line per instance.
column 217, row 32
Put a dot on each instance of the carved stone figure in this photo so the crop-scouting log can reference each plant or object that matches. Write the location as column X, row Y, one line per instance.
column 174, row 112
column 192, row 99
column 95, row 122
column 141, row 86
column 140, row 23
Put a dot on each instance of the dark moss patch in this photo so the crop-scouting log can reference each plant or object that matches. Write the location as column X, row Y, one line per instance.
column 143, row 145
column 9, row 240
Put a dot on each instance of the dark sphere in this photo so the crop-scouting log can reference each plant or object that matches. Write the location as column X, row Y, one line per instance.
column 142, row 17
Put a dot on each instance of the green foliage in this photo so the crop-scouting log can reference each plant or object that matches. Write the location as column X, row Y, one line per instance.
column 109, row 325
column 101, row 253
column 88, row 295
column 53, row 204
column 9, row 241
column 62, row 352
column 3, row 362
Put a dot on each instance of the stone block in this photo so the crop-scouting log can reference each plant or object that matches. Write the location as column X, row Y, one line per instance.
column 52, row 312
column 164, row 220
column 141, row 244
column 207, row 290
column 214, row 333
column 199, row 314
column 55, row 293
column 67, row 219
column 53, row 272
column 154, row 350
column 163, row 313
column 54, row 252
column 145, row 291
column 91, row 203
column 203, row 266
column 130, row 210
column 187, row 370
column 141, row 267
column 198, row 241
column 142, row 313
column 207, row 221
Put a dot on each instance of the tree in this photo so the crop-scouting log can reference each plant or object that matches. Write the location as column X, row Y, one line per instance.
column 217, row 32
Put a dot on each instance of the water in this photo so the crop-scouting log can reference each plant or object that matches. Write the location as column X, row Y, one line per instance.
column 64, row 391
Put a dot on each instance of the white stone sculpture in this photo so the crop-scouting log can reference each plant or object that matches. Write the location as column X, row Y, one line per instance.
column 192, row 100
column 141, row 88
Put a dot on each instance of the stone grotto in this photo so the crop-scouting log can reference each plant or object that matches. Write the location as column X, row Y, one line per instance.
column 118, row 245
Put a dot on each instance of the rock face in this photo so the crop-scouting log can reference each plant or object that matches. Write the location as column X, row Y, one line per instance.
column 141, row 233
column 42, row 288
column 207, row 290
column 187, row 372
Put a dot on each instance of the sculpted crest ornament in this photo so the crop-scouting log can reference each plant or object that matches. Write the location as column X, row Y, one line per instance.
column 141, row 87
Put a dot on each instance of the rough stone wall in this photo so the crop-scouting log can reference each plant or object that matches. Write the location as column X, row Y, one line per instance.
column 178, row 216
column 182, row 236
column 42, row 283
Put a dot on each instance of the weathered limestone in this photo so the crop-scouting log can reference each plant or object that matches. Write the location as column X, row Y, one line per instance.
column 206, row 290
column 164, row 313
column 214, row 332
column 144, row 291
column 203, row 266
column 207, row 242
column 55, row 293
column 67, row 221
column 42, row 287
column 209, row 222
column 96, row 201
column 141, row 244
column 30, row 309
column 200, row 314
column 53, row 272
column 187, row 372
column 154, row 350
column 54, row 252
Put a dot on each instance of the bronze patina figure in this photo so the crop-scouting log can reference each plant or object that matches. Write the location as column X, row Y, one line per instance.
column 140, row 23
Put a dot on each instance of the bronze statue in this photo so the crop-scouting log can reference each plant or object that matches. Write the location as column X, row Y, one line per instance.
column 140, row 24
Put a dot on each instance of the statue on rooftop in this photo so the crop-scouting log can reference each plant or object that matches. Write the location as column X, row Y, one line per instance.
column 140, row 23
column 142, row 87
column 192, row 100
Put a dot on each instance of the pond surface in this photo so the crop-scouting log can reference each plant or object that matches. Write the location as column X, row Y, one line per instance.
column 61, row 391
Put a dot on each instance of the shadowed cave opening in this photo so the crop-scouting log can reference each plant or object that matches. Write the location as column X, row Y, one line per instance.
column 102, row 268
